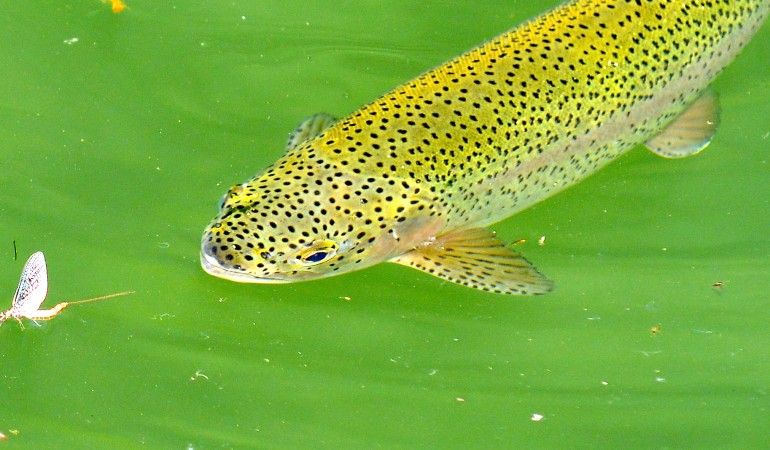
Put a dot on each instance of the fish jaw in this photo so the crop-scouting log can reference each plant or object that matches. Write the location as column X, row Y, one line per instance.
column 237, row 268
column 213, row 266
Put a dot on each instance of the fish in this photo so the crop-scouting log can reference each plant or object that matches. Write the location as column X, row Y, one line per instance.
column 417, row 176
column 32, row 291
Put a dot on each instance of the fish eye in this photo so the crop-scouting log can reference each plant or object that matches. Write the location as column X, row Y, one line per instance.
column 318, row 252
column 316, row 257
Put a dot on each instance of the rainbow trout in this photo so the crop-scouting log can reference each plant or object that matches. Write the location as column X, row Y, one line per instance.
column 415, row 177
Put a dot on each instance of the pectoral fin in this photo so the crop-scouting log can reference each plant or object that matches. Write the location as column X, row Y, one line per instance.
column 308, row 129
column 477, row 259
column 691, row 132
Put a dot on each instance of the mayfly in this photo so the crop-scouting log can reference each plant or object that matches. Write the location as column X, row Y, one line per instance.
column 32, row 290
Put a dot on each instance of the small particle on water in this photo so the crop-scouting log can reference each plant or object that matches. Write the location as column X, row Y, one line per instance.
column 346, row 298
column 537, row 417
column 460, row 400
column 655, row 329
column 541, row 241
column 702, row 331
column 4, row 437
column 518, row 242
column 199, row 374
column 163, row 245
column 71, row 41
column 604, row 383
column 718, row 285
column 660, row 379
column 117, row 5
column 162, row 316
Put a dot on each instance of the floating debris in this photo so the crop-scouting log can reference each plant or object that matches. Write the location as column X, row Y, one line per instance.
column 537, row 417
column 655, row 329
column 32, row 291
column 117, row 5
column 4, row 437
column 199, row 374
column 162, row 316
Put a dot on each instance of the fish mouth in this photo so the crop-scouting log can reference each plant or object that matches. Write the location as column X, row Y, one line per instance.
column 213, row 267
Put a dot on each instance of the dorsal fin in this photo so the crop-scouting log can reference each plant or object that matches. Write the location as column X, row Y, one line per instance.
column 308, row 129
column 691, row 132
column 476, row 258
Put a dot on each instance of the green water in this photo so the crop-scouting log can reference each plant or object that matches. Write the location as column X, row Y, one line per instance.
column 119, row 134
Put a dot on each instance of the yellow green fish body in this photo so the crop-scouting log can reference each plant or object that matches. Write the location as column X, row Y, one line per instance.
column 415, row 176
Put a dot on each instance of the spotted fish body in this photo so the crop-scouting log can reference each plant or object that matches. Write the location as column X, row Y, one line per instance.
column 415, row 176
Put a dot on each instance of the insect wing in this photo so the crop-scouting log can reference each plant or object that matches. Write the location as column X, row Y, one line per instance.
column 33, row 285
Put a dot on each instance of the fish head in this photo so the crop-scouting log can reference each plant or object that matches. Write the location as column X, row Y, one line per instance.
column 303, row 219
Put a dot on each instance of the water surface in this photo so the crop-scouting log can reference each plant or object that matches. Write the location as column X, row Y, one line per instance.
column 121, row 132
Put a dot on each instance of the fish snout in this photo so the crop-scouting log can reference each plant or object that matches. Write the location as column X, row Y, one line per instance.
column 234, row 266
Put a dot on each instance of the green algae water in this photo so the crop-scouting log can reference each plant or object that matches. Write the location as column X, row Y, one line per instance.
column 121, row 132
